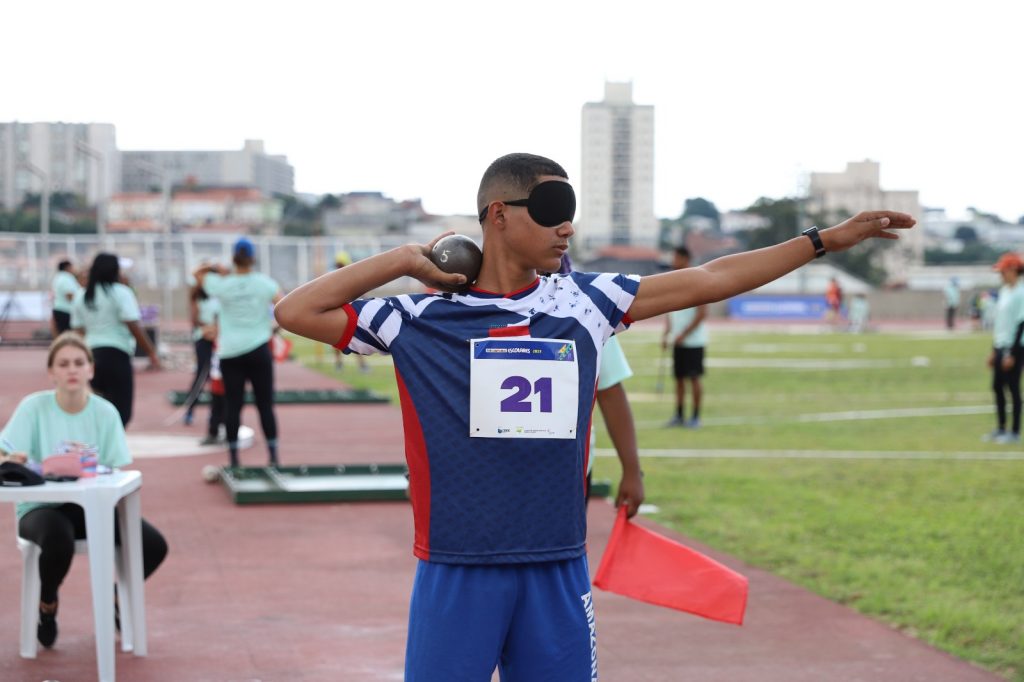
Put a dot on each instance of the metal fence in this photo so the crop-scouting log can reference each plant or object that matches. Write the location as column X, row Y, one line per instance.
column 161, row 264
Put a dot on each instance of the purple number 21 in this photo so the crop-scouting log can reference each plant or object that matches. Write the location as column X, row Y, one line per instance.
column 519, row 401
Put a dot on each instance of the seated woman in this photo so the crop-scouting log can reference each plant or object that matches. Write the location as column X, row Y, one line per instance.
column 69, row 418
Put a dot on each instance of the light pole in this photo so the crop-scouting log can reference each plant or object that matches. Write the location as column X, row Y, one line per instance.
column 44, row 207
column 101, row 187
column 165, row 192
column 44, row 201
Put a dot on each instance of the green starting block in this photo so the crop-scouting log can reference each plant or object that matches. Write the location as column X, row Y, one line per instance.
column 293, row 397
column 341, row 483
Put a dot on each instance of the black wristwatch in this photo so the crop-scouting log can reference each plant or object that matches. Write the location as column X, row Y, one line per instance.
column 812, row 234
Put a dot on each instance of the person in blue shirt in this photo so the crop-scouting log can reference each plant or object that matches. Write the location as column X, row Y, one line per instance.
column 107, row 313
column 68, row 418
column 497, row 387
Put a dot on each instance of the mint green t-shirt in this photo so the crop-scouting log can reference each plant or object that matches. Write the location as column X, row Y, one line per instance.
column 63, row 284
column 245, row 319
column 1009, row 315
column 104, row 322
column 39, row 427
column 614, row 367
column 209, row 308
column 680, row 320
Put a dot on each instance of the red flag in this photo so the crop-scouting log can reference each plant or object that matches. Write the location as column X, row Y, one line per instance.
column 641, row 564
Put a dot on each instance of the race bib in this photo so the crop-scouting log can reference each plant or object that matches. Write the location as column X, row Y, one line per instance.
column 523, row 388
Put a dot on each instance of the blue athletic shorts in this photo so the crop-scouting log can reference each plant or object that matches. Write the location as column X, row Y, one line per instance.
column 534, row 622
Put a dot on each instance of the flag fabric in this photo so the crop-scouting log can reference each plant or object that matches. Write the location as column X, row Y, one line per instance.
column 643, row 565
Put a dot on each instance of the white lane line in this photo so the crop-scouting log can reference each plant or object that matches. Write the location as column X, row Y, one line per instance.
column 820, row 454
column 848, row 415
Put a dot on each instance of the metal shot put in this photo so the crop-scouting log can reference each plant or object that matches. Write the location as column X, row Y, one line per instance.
column 458, row 254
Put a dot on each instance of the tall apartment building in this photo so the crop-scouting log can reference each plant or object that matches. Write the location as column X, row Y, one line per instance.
column 859, row 188
column 250, row 166
column 81, row 158
column 617, row 172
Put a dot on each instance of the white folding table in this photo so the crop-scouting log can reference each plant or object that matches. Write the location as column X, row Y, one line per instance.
column 98, row 497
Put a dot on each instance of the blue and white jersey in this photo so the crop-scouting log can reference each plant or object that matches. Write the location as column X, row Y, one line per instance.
column 483, row 499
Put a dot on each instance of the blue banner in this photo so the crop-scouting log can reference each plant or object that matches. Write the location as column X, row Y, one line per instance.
column 777, row 307
column 523, row 349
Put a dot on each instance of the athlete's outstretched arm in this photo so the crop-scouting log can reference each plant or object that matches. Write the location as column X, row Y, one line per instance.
column 315, row 309
column 731, row 275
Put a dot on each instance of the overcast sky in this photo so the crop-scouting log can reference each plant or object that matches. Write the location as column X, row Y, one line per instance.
column 415, row 99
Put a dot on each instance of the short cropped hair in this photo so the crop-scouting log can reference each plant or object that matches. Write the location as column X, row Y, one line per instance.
column 64, row 265
column 517, row 172
column 682, row 251
column 68, row 338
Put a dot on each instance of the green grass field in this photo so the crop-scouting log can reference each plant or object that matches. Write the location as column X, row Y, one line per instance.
column 922, row 530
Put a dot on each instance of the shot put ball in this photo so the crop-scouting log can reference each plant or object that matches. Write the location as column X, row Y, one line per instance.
column 459, row 254
column 211, row 473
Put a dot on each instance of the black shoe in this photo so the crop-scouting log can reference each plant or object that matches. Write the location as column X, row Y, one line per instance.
column 46, row 632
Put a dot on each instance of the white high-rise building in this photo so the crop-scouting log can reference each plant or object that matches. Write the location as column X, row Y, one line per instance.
column 80, row 158
column 617, row 172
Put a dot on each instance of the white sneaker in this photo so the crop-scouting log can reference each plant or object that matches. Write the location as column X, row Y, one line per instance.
column 994, row 436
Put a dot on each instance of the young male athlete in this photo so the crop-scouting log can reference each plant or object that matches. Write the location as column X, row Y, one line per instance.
column 497, row 390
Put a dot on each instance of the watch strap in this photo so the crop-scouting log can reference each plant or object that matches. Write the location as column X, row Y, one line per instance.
column 812, row 234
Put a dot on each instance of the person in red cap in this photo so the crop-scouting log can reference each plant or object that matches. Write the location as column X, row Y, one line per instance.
column 1007, row 354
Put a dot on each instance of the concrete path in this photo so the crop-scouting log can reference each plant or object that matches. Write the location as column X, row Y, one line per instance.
column 319, row 591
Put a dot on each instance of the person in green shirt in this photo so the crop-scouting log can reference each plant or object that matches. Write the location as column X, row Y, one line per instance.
column 204, row 311
column 686, row 335
column 243, row 341
column 1007, row 354
column 107, row 313
column 63, row 289
column 70, row 418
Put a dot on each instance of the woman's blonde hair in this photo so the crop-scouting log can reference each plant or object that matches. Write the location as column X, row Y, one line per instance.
column 68, row 339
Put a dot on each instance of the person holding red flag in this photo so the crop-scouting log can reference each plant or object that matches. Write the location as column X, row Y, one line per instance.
column 497, row 389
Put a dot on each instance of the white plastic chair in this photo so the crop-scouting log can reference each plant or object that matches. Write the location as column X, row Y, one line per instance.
column 31, row 589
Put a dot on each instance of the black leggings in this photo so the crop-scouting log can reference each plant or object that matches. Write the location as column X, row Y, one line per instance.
column 204, row 351
column 55, row 530
column 1010, row 380
column 256, row 366
column 114, row 379
column 61, row 321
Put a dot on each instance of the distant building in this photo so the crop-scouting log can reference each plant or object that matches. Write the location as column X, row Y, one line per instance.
column 858, row 188
column 80, row 158
column 250, row 166
column 194, row 209
column 371, row 213
column 617, row 172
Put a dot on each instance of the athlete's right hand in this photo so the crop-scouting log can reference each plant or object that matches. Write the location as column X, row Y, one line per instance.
column 423, row 269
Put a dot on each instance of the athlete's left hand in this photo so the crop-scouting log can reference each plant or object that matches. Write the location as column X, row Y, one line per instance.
column 631, row 493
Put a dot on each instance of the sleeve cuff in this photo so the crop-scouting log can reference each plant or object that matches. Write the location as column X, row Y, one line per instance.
column 350, row 327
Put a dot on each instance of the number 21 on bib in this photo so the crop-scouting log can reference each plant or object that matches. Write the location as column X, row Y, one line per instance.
column 523, row 388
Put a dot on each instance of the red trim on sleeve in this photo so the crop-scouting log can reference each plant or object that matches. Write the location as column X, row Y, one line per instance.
column 419, row 471
column 626, row 319
column 518, row 330
column 350, row 327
